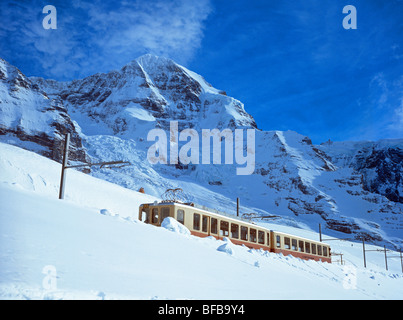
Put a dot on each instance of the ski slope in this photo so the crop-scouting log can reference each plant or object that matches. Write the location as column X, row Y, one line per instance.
column 91, row 246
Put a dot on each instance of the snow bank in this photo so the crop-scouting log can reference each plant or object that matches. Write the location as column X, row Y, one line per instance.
column 172, row 225
column 227, row 247
column 106, row 212
column 33, row 172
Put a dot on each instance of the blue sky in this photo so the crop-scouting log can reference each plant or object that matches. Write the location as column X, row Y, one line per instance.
column 290, row 62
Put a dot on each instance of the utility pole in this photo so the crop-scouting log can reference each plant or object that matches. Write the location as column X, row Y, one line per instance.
column 64, row 165
column 320, row 232
column 237, row 207
column 378, row 250
column 399, row 256
column 363, row 251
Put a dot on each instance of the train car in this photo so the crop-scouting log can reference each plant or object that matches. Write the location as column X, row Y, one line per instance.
column 204, row 223
column 300, row 247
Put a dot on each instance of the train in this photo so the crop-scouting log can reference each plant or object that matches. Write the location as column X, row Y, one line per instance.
column 203, row 222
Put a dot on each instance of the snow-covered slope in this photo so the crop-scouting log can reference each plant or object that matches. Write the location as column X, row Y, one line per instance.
column 91, row 246
column 352, row 189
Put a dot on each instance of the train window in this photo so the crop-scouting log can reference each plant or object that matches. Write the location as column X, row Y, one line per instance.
column 214, row 225
column 244, row 233
column 313, row 248
column 319, row 250
column 294, row 244
column 164, row 213
column 180, row 216
column 260, row 237
column 196, row 221
column 325, row 251
column 268, row 239
column 301, row 246
column 307, row 247
column 252, row 233
column 278, row 241
column 287, row 243
column 234, row 231
column 205, row 224
column 155, row 215
column 145, row 215
column 224, row 228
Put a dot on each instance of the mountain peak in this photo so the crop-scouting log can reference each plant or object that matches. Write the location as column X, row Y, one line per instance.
column 150, row 62
column 149, row 58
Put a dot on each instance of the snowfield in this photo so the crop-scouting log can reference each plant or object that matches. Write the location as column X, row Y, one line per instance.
column 92, row 246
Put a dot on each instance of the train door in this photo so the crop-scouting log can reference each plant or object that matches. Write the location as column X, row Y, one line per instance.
column 154, row 216
column 144, row 214
column 206, row 224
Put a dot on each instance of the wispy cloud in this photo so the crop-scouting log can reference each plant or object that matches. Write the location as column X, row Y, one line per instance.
column 399, row 113
column 172, row 28
column 386, row 106
column 97, row 36
column 396, row 127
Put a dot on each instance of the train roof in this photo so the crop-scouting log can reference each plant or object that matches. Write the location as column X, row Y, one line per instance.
column 203, row 208
column 299, row 237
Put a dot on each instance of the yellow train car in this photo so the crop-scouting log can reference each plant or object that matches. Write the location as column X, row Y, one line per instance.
column 300, row 247
column 204, row 223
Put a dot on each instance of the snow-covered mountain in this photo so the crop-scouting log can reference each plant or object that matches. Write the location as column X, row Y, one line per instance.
column 149, row 89
column 353, row 188
column 39, row 122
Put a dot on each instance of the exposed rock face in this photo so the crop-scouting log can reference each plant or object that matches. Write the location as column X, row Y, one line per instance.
column 379, row 163
column 149, row 89
column 28, row 114
column 383, row 172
